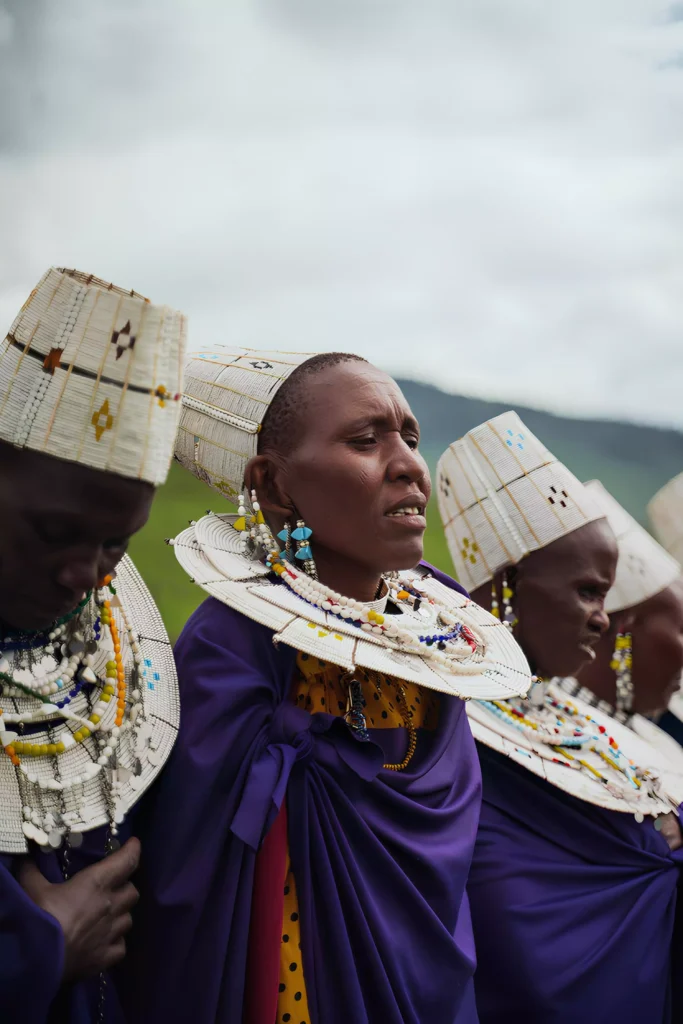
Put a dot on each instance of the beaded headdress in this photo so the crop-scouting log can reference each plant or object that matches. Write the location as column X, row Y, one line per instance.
column 502, row 495
column 227, row 394
column 644, row 568
column 92, row 373
column 666, row 515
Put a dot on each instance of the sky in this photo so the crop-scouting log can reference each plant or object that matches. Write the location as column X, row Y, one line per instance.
column 482, row 194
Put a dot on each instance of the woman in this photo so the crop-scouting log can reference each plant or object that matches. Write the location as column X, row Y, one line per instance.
column 89, row 406
column 639, row 660
column 314, row 831
column 572, row 889
column 666, row 516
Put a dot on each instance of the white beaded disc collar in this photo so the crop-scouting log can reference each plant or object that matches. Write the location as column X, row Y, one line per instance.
column 78, row 787
column 211, row 554
column 530, row 748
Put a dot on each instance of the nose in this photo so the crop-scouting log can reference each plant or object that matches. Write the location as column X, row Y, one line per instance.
column 599, row 621
column 406, row 463
column 81, row 572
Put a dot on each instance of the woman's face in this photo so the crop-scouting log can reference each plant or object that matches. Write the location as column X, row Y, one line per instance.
column 354, row 475
column 657, row 634
column 559, row 599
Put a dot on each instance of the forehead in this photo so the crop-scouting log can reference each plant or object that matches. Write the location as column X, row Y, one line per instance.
column 41, row 482
column 352, row 391
column 591, row 548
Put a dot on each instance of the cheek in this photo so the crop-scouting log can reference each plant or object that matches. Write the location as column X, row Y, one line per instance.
column 336, row 498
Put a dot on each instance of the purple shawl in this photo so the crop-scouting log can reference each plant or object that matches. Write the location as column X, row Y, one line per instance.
column 573, row 908
column 381, row 858
column 32, row 950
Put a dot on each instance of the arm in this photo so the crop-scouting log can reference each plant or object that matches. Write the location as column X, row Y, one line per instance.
column 31, row 950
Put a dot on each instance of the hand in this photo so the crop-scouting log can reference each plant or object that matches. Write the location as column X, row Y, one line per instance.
column 93, row 909
column 670, row 829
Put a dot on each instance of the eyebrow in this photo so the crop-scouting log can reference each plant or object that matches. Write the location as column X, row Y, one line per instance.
column 409, row 422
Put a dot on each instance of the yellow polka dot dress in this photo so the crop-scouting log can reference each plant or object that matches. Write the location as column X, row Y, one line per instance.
column 320, row 687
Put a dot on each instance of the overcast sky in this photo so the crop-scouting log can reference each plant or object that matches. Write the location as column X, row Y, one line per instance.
column 485, row 194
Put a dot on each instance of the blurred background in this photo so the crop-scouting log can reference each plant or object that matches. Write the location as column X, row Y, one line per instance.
column 484, row 197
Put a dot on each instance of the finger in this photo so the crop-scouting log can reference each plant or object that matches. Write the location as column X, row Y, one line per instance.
column 31, row 879
column 116, row 869
column 124, row 899
column 115, row 954
column 121, row 926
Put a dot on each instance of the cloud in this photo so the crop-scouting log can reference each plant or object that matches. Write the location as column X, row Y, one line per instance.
column 483, row 195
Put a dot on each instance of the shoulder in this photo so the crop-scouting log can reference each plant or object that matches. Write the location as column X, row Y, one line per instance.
column 443, row 577
column 216, row 624
column 219, row 642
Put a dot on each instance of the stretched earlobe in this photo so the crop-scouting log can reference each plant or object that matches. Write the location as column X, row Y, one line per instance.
column 262, row 474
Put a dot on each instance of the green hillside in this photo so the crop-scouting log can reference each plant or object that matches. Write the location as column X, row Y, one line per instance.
column 632, row 461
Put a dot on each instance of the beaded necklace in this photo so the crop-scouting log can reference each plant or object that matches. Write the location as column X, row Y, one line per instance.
column 111, row 712
column 25, row 639
column 355, row 719
column 446, row 646
column 559, row 732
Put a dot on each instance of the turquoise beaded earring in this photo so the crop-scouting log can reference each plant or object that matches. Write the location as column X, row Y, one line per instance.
column 302, row 536
column 285, row 535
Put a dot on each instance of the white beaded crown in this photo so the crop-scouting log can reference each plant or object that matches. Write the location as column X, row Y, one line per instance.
column 666, row 515
column 644, row 568
column 502, row 495
column 227, row 394
column 92, row 373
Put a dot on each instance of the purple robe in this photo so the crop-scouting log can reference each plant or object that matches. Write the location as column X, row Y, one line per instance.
column 573, row 908
column 381, row 858
column 32, row 950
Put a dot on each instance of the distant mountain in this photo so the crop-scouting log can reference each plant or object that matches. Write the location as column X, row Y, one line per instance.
column 632, row 461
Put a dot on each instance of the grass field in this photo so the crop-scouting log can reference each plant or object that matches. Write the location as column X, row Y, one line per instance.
column 184, row 498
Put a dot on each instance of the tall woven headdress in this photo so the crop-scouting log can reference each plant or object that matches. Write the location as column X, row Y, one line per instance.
column 666, row 515
column 92, row 373
column 502, row 495
column 644, row 567
column 228, row 392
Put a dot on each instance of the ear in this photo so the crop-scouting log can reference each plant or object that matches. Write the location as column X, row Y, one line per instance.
column 623, row 622
column 263, row 474
column 483, row 594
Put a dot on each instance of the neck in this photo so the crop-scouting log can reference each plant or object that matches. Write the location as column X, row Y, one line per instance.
column 347, row 578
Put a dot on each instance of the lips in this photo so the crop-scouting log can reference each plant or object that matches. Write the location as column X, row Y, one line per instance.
column 588, row 646
column 409, row 510
column 411, row 505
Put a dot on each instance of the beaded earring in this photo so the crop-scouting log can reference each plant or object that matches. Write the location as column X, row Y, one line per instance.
column 509, row 619
column 495, row 607
column 621, row 665
column 256, row 535
column 285, row 535
column 302, row 536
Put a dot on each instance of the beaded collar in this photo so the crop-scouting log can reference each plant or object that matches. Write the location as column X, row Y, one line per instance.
column 580, row 749
column 12, row 639
column 438, row 638
column 574, row 688
column 88, row 715
column 664, row 747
